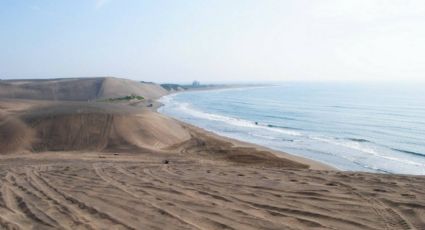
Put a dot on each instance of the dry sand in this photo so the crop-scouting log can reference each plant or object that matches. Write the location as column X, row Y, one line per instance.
column 77, row 89
column 75, row 165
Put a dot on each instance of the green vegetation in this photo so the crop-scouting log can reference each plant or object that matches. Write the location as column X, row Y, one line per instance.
column 194, row 85
column 126, row 98
column 176, row 87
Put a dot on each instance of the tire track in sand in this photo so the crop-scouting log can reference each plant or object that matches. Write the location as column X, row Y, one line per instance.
column 186, row 216
column 89, row 216
column 392, row 219
column 203, row 198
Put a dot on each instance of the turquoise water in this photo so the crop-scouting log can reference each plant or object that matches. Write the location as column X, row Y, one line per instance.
column 360, row 127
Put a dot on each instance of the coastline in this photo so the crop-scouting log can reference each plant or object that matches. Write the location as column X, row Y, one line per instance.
column 314, row 165
column 125, row 166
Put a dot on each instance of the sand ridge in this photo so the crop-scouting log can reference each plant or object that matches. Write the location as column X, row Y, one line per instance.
column 78, row 89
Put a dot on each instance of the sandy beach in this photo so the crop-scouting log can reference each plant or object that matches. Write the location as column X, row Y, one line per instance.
column 67, row 163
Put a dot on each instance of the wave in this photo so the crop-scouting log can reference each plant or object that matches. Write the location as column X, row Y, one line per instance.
column 283, row 127
column 281, row 118
column 358, row 140
column 269, row 137
column 409, row 152
column 351, row 143
column 188, row 109
column 369, row 150
column 167, row 99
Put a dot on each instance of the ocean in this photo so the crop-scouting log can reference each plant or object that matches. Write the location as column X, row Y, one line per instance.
column 373, row 127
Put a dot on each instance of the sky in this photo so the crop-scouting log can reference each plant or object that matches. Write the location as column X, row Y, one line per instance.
column 215, row 40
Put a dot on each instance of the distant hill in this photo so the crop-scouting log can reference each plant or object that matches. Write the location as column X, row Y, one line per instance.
column 78, row 89
column 177, row 87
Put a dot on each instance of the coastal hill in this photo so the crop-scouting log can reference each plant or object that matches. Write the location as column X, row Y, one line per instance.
column 78, row 89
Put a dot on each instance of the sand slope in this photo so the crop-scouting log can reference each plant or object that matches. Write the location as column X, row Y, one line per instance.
column 77, row 89
column 74, row 165
column 14, row 135
column 87, row 126
column 128, row 191
column 114, row 87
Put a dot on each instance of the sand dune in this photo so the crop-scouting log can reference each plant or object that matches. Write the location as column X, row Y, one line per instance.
column 80, row 165
column 77, row 89
column 88, row 126
column 114, row 87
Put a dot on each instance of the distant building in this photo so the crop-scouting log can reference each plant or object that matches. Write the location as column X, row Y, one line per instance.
column 196, row 83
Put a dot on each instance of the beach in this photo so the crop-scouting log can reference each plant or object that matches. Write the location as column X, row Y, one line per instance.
column 73, row 164
column 351, row 127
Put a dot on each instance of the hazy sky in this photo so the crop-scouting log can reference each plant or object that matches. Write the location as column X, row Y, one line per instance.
column 215, row 40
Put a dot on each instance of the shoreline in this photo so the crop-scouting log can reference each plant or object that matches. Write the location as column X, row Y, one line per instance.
column 313, row 164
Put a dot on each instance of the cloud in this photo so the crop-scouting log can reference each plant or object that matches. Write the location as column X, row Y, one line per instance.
column 100, row 3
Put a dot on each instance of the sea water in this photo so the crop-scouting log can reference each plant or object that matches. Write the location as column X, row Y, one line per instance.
column 350, row 126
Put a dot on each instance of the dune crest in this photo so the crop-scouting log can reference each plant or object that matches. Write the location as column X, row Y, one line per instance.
column 78, row 89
